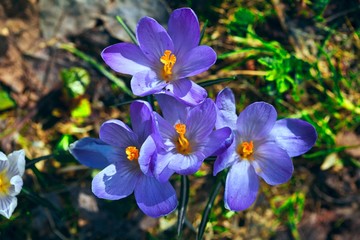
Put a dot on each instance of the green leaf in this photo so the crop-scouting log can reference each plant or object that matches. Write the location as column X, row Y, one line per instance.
column 5, row 101
column 63, row 144
column 75, row 80
column 184, row 198
column 82, row 110
column 207, row 210
column 120, row 83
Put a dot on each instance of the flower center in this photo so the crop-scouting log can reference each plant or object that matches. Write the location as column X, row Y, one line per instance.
column 4, row 184
column 168, row 59
column 132, row 153
column 182, row 143
column 246, row 150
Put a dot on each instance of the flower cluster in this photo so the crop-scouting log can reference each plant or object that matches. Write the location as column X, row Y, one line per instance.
column 191, row 128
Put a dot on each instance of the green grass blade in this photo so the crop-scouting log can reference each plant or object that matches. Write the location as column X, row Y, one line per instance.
column 203, row 30
column 127, row 29
column 206, row 83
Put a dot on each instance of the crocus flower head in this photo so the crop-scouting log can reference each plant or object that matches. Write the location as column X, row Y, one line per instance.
column 127, row 157
column 12, row 168
column 188, row 136
column 262, row 147
column 164, row 60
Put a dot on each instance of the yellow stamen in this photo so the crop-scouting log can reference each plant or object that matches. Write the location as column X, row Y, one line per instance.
column 246, row 150
column 132, row 153
column 4, row 184
column 182, row 143
column 168, row 59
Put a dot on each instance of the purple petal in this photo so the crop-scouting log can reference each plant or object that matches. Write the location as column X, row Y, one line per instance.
column 116, row 181
column 162, row 172
column 197, row 60
column 95, row 153
column 241, row 187
column 218, row 142
column 153, row 39
column 226, row 114
column 118, row 134
column 186, row 164
column 201, row 121
column 147, row 156
column 186, row 91
column 226, row 159
column 294, row 135
column 273, row 164
column 256, row 121
column 166, row 130
column 171, row 109
column 184, row 30
column 125, row 58
column 142, row 119
column 145, row 83
column 155, row 199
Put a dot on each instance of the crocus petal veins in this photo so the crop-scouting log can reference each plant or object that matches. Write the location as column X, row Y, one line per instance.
column 168, row 59
column 182, row 143
column 246, row 150
column 4, row 184
column 132, row 153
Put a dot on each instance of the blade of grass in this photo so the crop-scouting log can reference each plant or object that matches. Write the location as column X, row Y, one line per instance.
column 120, row 83
column 127, row 29
column 206, row 83
column 207, row 210
column 184, row 198
column 36, row 160
column 203, row 30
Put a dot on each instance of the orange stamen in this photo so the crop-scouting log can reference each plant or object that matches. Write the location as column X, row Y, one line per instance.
column 182, row 143
column 168, row 59
column 246, row 150
column 132, row 153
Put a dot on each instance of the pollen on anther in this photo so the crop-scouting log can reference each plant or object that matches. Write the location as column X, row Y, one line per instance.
column 182, row 143
column 132, row 153
column 168, row 59
column 246, row 150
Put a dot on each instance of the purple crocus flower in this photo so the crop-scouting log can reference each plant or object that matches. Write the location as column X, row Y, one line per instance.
column 262, row 147
column 127, row 157
column 188, row 136
column 164, row 60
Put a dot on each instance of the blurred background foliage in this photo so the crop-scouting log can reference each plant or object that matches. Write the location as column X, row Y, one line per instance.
column 302, row 56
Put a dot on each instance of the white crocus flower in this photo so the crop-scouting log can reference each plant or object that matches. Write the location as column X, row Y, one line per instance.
column 12, row 168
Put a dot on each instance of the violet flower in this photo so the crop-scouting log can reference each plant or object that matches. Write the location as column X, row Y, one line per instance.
column 12, row 168
column 127, row 157
column 188, row 136
column 262, row 147
column 164, row 60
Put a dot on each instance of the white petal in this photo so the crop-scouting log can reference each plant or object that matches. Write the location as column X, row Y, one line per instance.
column 16, row 163
column 7, row 206
column 17, row 183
